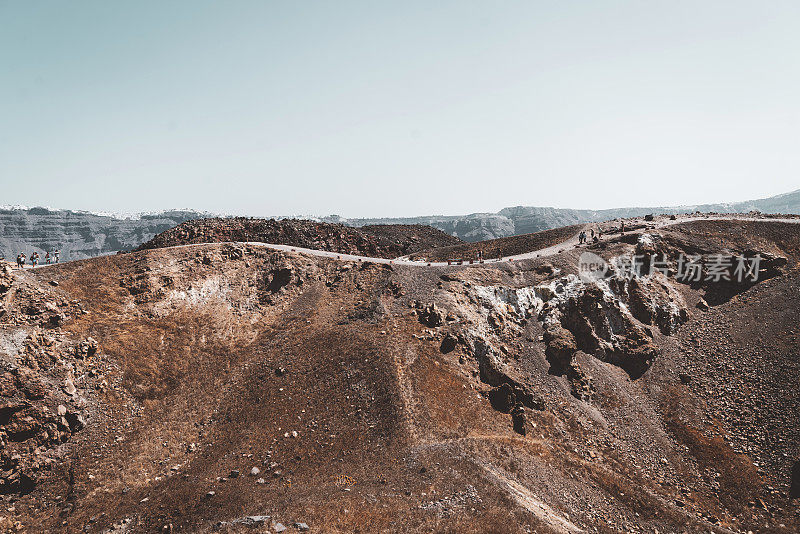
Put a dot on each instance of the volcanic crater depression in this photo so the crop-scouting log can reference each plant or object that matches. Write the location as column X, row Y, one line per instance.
column 227, row 386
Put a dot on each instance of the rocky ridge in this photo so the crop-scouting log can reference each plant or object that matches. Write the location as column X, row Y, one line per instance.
column 517, row 397
column 82, row 235
column 521, row 220
column 373, row 241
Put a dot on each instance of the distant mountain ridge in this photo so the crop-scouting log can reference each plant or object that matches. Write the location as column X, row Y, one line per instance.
column 79, row 234
column 527, row 219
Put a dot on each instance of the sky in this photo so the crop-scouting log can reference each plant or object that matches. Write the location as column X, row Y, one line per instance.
column 382, row 109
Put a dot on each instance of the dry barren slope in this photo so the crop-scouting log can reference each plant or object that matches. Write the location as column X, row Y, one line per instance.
column 364, row 408
column 499, row 248
column 377, row 241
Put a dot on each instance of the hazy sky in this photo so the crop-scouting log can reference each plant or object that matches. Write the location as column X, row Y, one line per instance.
column 377, row 108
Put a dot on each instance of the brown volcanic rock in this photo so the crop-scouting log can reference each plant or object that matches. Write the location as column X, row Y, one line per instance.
column 561, row 346
column 6, row 278
column 378, row 241
column 411, row 237
column 430, row 315
column 602, row 328
column 743, row 357
column 35, row 356
column 358, row 421
column 502, row 398
column 498, row 248
column 654, row 302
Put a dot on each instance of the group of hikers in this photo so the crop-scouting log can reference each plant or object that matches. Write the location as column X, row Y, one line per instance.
column 48, row 258
column 584, row 238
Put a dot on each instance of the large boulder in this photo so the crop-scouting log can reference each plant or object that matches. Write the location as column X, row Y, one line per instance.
column 601, row 324
column 502, row 398
column 449, row 343
column 518, row 419
column 652, row 301
column 431, row 316
column 278, row 278
column 561, row 346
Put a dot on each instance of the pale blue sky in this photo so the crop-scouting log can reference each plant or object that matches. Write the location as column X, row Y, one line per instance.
column 380, row 108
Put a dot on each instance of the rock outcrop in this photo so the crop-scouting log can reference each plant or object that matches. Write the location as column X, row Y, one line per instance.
column 35, row 416
column 373, row 241
column 604, row 327
column 430, row 315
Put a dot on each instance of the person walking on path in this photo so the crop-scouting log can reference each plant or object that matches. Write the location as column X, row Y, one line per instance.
column 47, row 258
column 55, row 253
column 34, row 259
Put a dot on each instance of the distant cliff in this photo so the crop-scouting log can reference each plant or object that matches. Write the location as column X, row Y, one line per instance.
column 79, row 234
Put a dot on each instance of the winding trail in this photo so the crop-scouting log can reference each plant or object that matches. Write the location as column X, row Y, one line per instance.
column 568, row 244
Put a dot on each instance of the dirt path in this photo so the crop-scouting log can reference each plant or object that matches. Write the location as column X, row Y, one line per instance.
column 544, row 252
